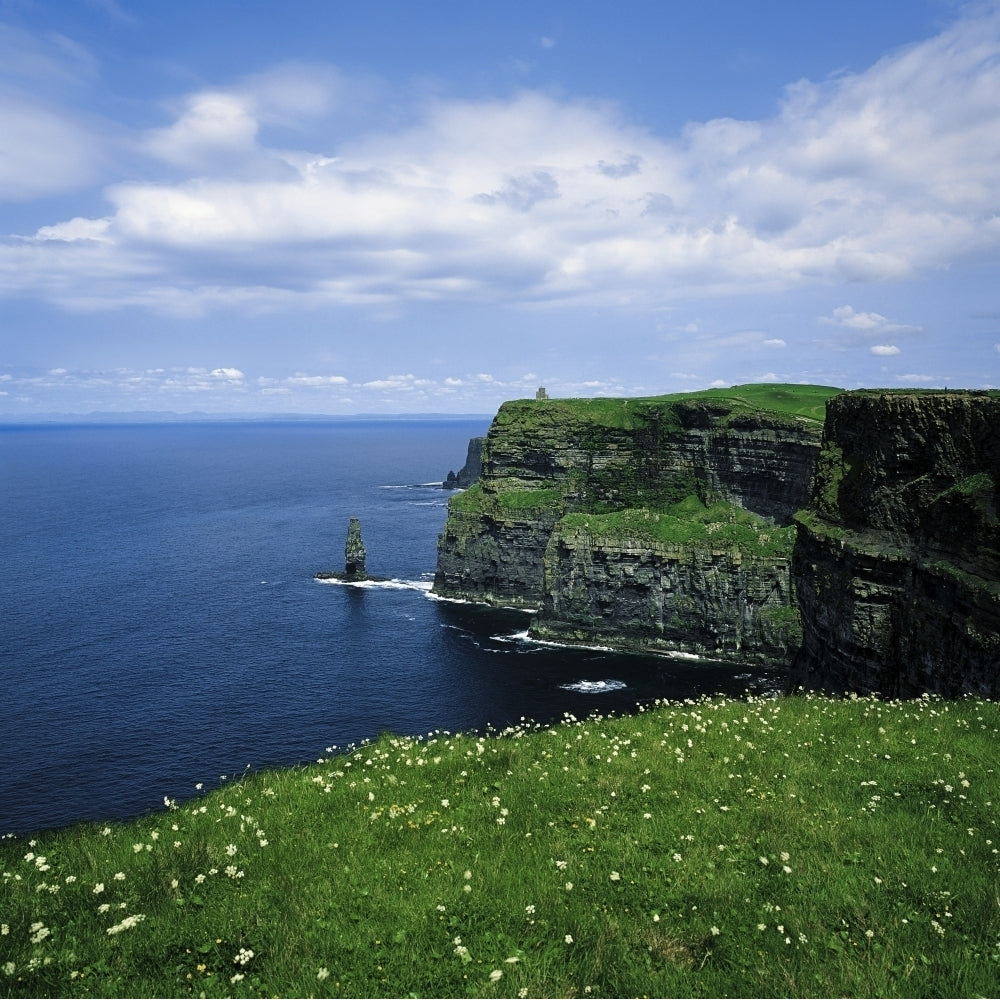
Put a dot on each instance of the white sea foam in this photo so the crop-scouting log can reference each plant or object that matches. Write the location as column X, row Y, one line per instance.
column 594, row 687
column 394, row 584
column 512, row 637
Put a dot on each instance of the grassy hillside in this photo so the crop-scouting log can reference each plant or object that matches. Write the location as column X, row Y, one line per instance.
column 787, row 399
column 770, row 847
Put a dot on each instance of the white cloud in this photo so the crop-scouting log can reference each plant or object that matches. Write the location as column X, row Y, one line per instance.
column 885, row 350
column 531, row 199
column 774, row 342
column 865, row 324
column 847, row 316
column 918, row 379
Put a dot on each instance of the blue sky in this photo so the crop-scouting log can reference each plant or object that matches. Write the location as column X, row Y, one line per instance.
column 329, row 207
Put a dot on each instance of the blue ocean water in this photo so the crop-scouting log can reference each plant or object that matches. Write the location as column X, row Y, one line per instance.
column 160, row 626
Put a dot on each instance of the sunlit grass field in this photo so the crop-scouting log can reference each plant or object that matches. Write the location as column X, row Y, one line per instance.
column 795, row 846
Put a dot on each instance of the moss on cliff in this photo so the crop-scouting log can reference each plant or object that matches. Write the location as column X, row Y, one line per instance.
column 691, row 524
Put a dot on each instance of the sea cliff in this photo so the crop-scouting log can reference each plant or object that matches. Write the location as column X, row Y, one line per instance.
column 862, row 552
column 897, row 564
column 659, row 524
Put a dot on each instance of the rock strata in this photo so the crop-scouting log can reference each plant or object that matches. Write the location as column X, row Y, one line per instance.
column 897, row 564
column 471, row 471
column 644, row 524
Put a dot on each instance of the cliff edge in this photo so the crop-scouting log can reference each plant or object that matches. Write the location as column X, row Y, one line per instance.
column 659, row 524
column 898, row 558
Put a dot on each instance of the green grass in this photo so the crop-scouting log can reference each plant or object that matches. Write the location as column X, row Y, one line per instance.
column 787, row 399
column 767, row 847
column 691, row 524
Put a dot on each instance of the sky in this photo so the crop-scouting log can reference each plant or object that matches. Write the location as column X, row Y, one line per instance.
column 323, row 207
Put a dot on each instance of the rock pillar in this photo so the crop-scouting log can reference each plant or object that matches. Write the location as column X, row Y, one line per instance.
column 354, row 552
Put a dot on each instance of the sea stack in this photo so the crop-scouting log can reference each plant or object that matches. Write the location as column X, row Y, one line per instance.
column 354, row 553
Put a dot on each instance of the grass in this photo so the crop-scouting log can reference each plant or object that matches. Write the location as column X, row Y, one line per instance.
column 787, row 399
column 693, row 525
column 795, row 846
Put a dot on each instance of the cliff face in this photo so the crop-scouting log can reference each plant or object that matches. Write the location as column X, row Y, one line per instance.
column 898, row 557
column 644, row 524
column 647, row 595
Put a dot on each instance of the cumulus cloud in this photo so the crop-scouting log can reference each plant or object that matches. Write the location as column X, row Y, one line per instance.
column 857, row 327
column 534, row 199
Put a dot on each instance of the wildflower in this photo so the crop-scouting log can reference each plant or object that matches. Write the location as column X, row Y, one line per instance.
column 323, row 973
column 243, row 956
column 127, row 923
column 615, row 877
column 137, row 847
column 39, row 932
column 99, row 888
column 236, row 978
column 568, row 939
column 9, row 968
column 467, row 875
column 199, row 878
column 230, row 849
column 495, row 976
column 4, row 929
column 715, row 931
column 569, row 886
column 119, row 876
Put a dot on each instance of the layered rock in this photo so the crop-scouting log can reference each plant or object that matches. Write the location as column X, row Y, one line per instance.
column 897, row 565
column 646, row 595
column 469, row 474
column 620, row 576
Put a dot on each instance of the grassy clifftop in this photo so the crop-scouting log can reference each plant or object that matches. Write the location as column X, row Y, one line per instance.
column 807, row 402
column 764, row 847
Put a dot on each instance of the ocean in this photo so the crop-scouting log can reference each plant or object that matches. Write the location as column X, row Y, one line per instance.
column 161, row 630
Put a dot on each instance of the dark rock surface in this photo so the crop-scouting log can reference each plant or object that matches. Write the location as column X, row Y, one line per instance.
column 898, row 558
column 471, row 471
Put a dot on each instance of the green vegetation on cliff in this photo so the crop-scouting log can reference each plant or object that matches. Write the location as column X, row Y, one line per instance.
column 692, row 525
column 806, row 402
column 765, row 847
